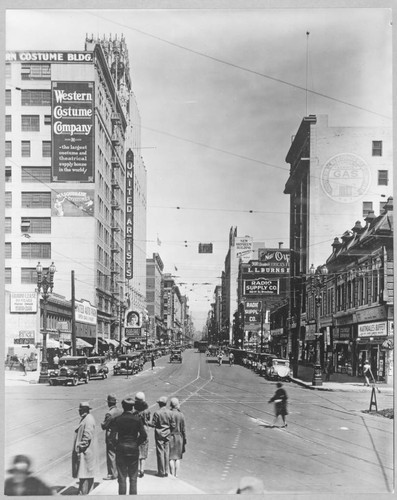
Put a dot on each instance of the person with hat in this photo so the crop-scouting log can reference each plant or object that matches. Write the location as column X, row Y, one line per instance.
column 130, row 435
column 177, row 438
column 84, row 450
column 141, row 408
column 111, row 436
column 163, row 422
column 22, row 482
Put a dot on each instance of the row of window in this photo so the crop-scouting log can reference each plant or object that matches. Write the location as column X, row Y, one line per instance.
column 38, row 225
column 30, row 174
column 353, row 293
column 28, row 275
column 30, row 250
column 32, row 199
column 29, row 123
column 26, row 149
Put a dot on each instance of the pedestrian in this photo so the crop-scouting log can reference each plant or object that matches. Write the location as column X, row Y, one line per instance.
column 329, row 369
column 130, row 435
column 177, row 438
column 24, row 363
column 280, row 404
column 56, row 361
column 152, row 359
column 220, row 358
column 141, row 408
column 367, row 372
column 111, row 436
column 84, row 450
column 231, row 358
column 22, row 482
column 163, row 422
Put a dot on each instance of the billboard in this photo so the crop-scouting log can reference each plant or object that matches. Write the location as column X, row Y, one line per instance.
column 85, row 312
column 47, row 56
column 244, row 247
column 260, row 285
column 273, row 261
column 67, row 203
column 72, row 131
column 23, row 302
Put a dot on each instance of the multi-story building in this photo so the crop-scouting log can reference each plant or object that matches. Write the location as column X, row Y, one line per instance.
column 154, row 296
column 336, row 174
column 71, row 119
column 356, row 300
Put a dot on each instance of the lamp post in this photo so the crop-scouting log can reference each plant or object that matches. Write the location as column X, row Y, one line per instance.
column 122, row 307
column 45, row 284
column 316, row 285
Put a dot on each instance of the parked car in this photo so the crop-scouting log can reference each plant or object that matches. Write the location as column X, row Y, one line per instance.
column 127, row 364
column 72, row 369
column 264, row 357
column 278, row 369
column 97, row 367
column 176, row 355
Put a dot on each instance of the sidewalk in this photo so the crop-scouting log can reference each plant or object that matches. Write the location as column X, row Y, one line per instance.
column 338, row 382
column 150, row 484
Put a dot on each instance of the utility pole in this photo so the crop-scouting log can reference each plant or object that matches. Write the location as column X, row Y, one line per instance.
column 262, row 307
column 73, row 316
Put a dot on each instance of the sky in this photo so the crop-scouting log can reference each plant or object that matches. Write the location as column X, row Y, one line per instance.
column 220, row 93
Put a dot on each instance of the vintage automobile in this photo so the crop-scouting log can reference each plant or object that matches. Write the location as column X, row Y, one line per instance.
column 263, row 359
column 128, row 364
column 72, row 369
column 278, row 369
column 97, row 367
column 176, row 355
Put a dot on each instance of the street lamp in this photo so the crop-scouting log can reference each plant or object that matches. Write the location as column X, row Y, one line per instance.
column 316, row 285
column 45, row 284
column 123, row 308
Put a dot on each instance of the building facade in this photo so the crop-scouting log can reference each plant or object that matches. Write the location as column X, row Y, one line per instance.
column 154, row 296
column 71, row 119
column 336, row 174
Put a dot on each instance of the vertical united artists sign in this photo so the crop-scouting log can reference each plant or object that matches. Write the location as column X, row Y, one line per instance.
column 72, row 131
column 129, row 214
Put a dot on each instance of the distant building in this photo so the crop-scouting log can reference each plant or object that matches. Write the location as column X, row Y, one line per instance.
column 154, row 296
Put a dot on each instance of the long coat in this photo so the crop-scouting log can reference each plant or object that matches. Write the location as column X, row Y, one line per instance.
column 84, row 449
column 178, row 436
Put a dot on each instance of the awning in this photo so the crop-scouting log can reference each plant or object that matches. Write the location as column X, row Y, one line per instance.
column 80, row 343
column 101, row 340
column 125, row 344
column 113, row 342
column 54, row 344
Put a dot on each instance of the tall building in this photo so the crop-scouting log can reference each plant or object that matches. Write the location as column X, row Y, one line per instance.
column 154, row 296
column 337, row 174
column 71, row 121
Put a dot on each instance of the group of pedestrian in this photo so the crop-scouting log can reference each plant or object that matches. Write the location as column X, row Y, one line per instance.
column 127, row 441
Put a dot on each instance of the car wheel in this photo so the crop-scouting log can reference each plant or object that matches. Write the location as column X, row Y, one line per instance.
column 51, row 382
column 87, row 379
column 75, row 381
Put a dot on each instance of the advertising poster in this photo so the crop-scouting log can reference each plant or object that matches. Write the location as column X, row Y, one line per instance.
column 67, row 203
column 72, row 131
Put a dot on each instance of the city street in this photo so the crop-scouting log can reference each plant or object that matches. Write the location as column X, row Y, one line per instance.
column 330, row 445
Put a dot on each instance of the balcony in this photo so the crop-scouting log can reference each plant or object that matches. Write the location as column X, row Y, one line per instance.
column 115, row 161
column 115, row 183
column 114, row 204
column 116, row 118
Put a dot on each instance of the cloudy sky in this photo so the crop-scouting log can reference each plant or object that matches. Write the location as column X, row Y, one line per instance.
column 220, row 94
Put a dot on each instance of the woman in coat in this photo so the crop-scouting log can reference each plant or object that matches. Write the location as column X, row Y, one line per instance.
column 177, row 438
column 84, row 450
column 280, row 403
column 142, row 410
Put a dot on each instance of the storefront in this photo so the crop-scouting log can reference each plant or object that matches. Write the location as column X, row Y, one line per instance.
column 370, row 339
column 343, row 353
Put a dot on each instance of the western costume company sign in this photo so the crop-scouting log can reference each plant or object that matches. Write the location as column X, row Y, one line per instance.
column 72, row 131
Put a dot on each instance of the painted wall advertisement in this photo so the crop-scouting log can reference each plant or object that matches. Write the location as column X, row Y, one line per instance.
column 85, row 312
column 23, row 302
column 72, row 131
column 66, row 203
column 244, row 248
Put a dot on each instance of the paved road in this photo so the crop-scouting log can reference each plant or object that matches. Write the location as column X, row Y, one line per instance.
column 330, row 445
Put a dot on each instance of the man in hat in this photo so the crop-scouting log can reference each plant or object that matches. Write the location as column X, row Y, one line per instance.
column 111, row 436
column 22, row 483
column 163, row 422
column 84, row 450
column 131, row 434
